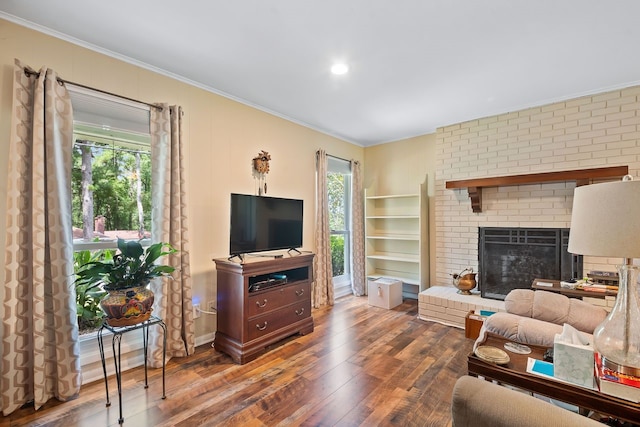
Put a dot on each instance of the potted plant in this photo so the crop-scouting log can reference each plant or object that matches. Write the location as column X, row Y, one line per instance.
column 125, row 278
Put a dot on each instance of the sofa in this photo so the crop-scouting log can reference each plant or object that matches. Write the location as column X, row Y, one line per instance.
column 480, row 403
column 535, row 317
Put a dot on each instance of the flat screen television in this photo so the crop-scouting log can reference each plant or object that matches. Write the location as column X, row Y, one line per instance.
column 260, row 223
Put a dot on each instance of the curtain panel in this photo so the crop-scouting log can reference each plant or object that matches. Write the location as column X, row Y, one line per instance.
column 358, row 282
column 322, row 293
column 173, row 301
column 39, row 335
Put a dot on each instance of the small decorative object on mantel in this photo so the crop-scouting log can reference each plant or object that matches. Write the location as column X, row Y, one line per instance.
column 260, row 171
column 465, row 281
column 125, row 277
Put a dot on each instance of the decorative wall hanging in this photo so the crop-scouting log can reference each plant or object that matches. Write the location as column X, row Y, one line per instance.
column 260, row 171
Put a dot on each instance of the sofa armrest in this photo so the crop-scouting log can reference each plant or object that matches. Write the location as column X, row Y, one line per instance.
column 522, row 329
column 479, row 403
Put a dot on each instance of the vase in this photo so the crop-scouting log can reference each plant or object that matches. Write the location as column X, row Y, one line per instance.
column 127, row 307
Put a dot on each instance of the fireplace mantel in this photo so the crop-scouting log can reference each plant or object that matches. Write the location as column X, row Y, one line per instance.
column 580, row 176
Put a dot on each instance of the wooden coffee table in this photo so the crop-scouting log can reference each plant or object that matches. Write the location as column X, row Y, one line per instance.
column 515, row 374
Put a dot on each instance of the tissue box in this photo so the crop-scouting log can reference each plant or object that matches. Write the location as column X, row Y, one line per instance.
column 574, row 363
column 385, row 293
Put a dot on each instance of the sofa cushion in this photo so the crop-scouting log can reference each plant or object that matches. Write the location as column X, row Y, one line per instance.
column 520, row 302
column 585, row 317
column 554, row 308
column 550, row 307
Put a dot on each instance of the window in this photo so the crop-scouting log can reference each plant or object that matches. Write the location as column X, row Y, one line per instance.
column 111, row 197
column 339, row 195
column 111, row 184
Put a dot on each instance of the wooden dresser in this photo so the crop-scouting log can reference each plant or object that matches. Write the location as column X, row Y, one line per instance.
column 261, row 301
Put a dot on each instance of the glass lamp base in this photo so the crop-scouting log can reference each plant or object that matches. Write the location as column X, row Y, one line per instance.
column 616, row 339
column 616, row 367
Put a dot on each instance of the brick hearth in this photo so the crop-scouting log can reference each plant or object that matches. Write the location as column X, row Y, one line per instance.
column 443, row 304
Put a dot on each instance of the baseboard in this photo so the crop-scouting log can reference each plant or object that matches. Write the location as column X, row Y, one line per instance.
column 205, row 339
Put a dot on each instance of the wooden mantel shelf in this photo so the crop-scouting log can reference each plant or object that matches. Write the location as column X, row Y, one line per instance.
column 580, row 176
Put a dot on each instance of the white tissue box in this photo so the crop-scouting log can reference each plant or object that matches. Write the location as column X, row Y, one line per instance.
column 574, row 363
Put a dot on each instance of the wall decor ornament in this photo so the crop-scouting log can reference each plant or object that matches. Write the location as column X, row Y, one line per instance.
column 260, row 170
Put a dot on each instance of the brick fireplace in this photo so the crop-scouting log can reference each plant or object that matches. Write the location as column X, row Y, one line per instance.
column 587, row 132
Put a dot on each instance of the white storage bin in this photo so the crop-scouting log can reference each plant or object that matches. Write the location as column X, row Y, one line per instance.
column 385, row 293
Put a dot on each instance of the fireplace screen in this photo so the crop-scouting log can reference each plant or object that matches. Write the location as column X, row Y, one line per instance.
column 511, row 258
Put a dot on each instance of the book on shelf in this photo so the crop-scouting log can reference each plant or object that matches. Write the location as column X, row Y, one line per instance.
column 540, row 367
column 620, row 390
column 617, row 384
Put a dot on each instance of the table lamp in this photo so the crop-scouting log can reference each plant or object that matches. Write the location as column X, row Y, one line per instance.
column 605, row 222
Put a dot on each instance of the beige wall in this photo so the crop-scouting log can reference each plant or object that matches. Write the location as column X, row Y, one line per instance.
column 222, row 137
column 399, row 168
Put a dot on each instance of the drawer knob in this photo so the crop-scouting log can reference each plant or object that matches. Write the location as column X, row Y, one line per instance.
column 264, row 303
column 300, row 292
column 300, row 312
column 263, row 327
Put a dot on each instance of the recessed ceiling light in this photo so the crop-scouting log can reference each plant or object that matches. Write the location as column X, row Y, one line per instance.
column 339, row 69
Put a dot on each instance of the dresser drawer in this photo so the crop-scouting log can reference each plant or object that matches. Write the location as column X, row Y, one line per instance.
column 265, row 302
column 270, row 322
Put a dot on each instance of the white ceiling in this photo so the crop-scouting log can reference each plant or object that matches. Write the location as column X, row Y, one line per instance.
column 415, row 65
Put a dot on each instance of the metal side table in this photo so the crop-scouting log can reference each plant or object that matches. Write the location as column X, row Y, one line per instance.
column 117, row 332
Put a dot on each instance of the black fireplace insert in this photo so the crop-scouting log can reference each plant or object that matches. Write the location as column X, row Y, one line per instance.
column 510, row 258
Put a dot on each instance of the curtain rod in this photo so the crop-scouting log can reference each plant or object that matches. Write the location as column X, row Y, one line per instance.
column 28, row 72
column 339, row 158
column 336, row 157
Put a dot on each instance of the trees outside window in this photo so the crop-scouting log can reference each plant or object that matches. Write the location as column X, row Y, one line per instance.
column 111, row 187
column 338, row 223
column 339, row 196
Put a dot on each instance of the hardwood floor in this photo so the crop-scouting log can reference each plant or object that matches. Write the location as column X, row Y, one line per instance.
column 361, row 366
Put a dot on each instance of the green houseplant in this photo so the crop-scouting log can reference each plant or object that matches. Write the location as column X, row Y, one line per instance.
column 88, row 296
column 124, row 277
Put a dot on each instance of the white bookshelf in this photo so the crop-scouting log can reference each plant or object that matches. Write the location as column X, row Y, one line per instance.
column 397, row 238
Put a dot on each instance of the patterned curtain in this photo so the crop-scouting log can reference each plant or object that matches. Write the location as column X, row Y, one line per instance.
column 169, row 217
column 322, row 271
column 39, row 348
column 358, row 284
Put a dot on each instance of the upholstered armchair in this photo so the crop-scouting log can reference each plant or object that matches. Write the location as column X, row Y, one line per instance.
column 480, row 403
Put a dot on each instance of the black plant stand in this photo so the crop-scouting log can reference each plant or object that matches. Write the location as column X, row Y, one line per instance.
column 117, row 332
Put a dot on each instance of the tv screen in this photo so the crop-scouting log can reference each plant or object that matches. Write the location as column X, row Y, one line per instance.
column 260, row 223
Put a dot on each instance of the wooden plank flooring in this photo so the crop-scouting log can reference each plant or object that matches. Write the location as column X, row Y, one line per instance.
column 362, row 366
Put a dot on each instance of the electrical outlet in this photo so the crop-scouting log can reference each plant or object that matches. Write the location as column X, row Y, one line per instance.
column 211, row 306
column 196, row 311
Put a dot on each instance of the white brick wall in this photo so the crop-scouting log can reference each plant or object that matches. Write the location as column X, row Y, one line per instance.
column 592, row 131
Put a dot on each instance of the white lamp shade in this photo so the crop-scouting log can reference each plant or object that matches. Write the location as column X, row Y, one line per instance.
column 605, row 220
